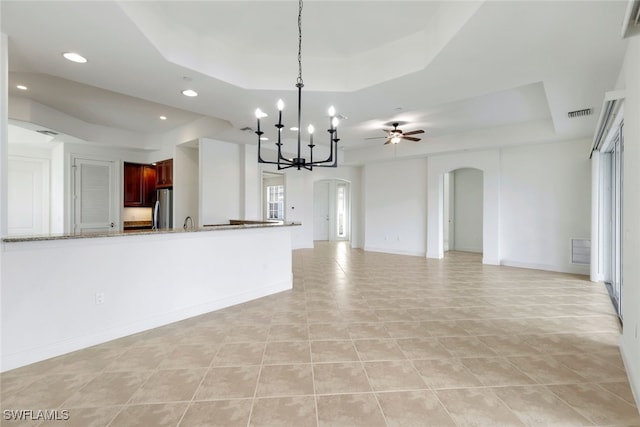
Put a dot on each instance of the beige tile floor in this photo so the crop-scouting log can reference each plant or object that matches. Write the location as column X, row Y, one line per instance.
column 363, row 339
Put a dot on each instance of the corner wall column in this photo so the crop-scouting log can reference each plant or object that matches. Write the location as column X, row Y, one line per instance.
column 4, row 143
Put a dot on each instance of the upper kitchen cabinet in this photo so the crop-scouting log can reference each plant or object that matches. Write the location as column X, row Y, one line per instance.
column 139, row 185
column 164, row 173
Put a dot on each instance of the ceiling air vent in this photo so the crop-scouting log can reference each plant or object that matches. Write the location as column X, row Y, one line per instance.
column 47, row 132
column 580, row 113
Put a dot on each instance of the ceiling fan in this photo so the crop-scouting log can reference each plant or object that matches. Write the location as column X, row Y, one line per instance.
column 396, row 135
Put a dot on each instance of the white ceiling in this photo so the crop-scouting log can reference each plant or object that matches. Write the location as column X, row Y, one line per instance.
column 451, row 68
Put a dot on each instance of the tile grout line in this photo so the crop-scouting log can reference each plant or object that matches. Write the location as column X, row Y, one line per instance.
column 195, row 392
column 255, row 391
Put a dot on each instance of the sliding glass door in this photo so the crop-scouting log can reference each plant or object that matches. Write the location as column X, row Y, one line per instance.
column 613, row 219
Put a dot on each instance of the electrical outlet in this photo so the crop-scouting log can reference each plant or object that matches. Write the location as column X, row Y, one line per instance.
column 99, row 298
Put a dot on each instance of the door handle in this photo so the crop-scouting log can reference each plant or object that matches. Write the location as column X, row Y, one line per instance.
column 112, row 225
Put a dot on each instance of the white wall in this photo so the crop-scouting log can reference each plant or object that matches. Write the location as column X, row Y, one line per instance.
column 51, row 310
column 395, row 207
column 536, row 198
column 220, row 182
column 630, row 342
column 467, row 210
column 58, row 190
column 251, row 203
column 545, row 202
column 186, row 189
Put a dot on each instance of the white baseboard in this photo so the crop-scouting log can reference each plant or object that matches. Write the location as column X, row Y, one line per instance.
column 467, row 249
column 37, row 354
column 435, row 255
column 572, row 269
column 632, row 372
column 393, row 251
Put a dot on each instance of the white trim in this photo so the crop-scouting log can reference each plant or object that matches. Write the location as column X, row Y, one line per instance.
column 610, row 116
column 393, row 251
column 630, row 25
column 573, row 269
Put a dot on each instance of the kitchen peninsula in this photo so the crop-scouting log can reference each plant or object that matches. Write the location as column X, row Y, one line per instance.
column 67, row 292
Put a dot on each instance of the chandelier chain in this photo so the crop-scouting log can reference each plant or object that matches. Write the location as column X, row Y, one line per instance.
column 300, row 42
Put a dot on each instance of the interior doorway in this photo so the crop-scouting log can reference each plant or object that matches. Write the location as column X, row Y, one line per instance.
column 331, row 210
column 95, row 205
column 28, row 196
column 463, row 210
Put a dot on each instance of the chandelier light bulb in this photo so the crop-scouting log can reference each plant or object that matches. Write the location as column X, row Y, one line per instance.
column 280, row 104
column 260, row 114
column 334, row 122
column 310, row 129
column 332, row 111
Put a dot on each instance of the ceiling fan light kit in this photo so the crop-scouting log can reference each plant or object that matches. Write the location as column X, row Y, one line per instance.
column 300, row 162
column 395, row 135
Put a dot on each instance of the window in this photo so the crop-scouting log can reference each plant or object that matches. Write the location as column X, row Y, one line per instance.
column 341, row 223
column 275, row 202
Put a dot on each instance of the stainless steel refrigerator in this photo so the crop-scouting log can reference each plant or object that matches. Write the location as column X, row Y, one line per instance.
column 163, row 209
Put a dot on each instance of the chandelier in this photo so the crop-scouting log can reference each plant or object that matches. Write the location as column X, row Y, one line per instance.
column 300, row 162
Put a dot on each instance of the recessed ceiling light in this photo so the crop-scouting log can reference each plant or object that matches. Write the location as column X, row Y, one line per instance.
column 75, row 57
column 189, row 92
column 295, row 129
column 264, row 138
column 163, row 117
column 22, row 87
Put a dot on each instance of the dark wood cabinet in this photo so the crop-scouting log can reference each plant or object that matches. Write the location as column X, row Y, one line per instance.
column 164, row 173
column 139, row 185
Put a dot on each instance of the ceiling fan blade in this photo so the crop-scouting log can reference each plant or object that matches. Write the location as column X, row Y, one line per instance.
column 414, row 132
column 410, row 138
column 377, row 137
column 388, row 142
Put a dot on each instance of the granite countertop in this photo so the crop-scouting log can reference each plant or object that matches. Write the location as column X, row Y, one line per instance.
column 236, row 225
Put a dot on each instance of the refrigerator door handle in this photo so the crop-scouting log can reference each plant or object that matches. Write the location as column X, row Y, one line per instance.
column 155, row 215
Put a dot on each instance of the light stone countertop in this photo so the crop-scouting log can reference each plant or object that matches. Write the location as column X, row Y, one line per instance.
column 120, row 233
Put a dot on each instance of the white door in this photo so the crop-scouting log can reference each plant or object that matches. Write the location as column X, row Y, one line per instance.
column 28, row 196
column 332, row 210
column 321, row 211
column 95, row 203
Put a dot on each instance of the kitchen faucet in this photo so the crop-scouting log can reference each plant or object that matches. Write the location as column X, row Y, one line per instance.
column 188, row 224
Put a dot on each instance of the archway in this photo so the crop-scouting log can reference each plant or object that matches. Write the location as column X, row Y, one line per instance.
column 437, row 166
